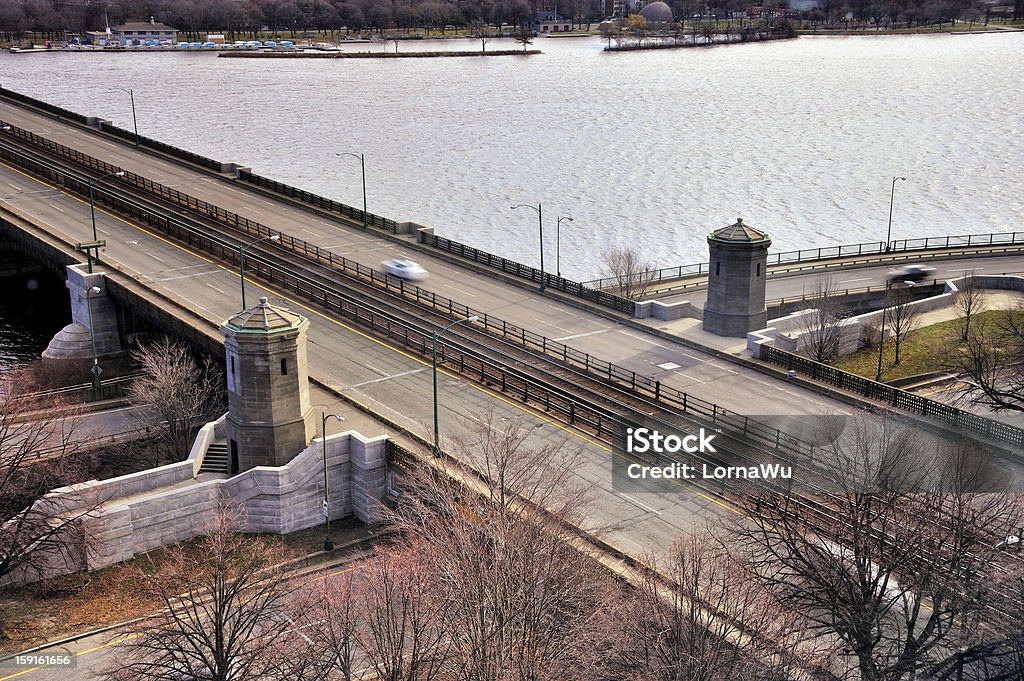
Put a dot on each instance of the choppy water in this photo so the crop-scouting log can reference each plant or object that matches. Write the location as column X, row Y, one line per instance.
column 651, row 148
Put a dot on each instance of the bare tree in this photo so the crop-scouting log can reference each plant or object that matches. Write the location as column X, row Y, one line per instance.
column 633, row 275
column 821, row 326
column 992, row 360
column 700, row 619
column 969, row 302
column 904, row 317
column 180, row 389
column 226, row 614
column 524, row 36
column 515, row 596
column 38, row 529
column 403, row 634
column 895, row 565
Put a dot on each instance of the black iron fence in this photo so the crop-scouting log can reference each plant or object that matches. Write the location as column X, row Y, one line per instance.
column 908, row 401
column 833, row 252
column 573, row 288
column 318, row 201
column 119, row 132
column 602, row 423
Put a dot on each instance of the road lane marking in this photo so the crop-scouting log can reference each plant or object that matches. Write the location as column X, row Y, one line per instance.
column 580, row 335
column 384, row 378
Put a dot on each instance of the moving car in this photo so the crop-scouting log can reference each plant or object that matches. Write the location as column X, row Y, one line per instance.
column 911, row 273
column 403, row 268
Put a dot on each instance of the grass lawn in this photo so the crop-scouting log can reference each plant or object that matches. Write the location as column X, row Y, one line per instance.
column 931, row 348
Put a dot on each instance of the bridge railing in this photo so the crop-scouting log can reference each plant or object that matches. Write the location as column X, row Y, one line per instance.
column 908, row 401
column 640, row 384
column 834, row 252
column 573, row 288
column 318, row 201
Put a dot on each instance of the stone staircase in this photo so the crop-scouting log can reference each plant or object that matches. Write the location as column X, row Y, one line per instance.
column 216, row 460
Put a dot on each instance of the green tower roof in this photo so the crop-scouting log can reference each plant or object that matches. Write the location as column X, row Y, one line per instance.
column 739, row 233
column 264, row 318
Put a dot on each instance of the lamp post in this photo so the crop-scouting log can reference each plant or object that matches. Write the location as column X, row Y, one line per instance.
column 131, row 93
column 540, row 224
column 436, row 338
column 881, row 333
column 558, row 243
column 96, row 370
column 241, row 259
column 328, row 544
column 92, row 213
column 892, row 196
column 362, row 168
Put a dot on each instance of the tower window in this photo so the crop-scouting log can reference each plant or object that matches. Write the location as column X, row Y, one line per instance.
column 718, row 269
column 759, row 269
column 232, row 366
column 284, row 366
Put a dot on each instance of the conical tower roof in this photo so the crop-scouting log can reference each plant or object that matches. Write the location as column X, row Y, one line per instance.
column 264, row 318
column 739, row 232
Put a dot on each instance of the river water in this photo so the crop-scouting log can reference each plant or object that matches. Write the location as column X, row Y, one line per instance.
column 653, row 149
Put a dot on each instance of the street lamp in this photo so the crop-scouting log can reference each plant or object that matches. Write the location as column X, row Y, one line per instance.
column 892, row 195
column 436, row 338
column 135, row 122
column 558, row 243
column 96, row 370
column 328, row 544
column 881, row 333
column 241, row 259
column 362, row 167
column 92, row 213
column 540, row 224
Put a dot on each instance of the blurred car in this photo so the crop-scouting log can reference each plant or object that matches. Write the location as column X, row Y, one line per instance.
column 404, row 268
column 911, row 273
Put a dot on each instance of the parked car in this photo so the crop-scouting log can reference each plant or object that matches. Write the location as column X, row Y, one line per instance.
column 911, row 273
column 403, row 268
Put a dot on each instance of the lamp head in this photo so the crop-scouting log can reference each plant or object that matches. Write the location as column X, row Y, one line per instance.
column 119, row 173
column 473, row 318
column 276, row 237
column 95, row 289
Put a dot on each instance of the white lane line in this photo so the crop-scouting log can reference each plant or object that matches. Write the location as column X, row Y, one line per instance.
column 386, row 378
column 647, row 340
column 462, row 291
column 58, row 208
column 692, row 378
column 581, row 335
column 216, row 289
column 636, row 502
column 963, row 269
column 186, row 276
column 850, row 281
column 315, row 234
column 156, row 258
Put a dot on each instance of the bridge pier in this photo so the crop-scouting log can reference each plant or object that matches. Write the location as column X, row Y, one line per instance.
column 93, row 328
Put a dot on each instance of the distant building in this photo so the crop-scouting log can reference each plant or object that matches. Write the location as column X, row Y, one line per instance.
column 140, row 33
column 657, row 14
column 549, row 22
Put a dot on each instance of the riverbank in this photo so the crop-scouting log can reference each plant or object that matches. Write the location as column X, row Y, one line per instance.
column 378, row 55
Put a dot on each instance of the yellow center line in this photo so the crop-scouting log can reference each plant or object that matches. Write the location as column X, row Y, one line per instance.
column 321, row 315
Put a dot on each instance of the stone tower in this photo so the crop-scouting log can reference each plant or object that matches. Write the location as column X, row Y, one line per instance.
column 736, row 280
column 269, row 418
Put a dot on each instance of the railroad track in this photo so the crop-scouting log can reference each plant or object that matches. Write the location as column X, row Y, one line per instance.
column 585, row 392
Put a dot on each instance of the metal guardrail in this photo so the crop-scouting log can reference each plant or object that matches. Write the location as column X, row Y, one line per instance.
column 902, row 399
column 601, row 422
column 573, row 288
column 524, row 389
column 119, row 132
column 834, row 252
column 318, row 201
column 109, row 388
